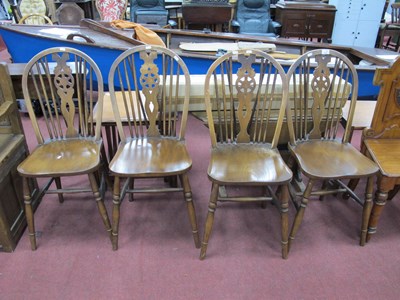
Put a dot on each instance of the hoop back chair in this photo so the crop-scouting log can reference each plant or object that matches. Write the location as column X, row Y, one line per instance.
column 381, row 142
column 66, row 83
column 110, row 10
column 35, row 19
column 153, row 83
column 33, row 12
column 245, row 110
column 321, row 82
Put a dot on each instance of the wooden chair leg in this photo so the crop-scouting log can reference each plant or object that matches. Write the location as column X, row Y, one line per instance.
column 171, row 180
column 59, row 186
column 300, row 213
column 381, row 197
column 352, row 185
column 100, row 203
column 109, row 130
column 187, row 192
column 324, row 186
column 116, row 212
column 104, row 166
column 366, row 210
column 29, row 212
column 297, row 180
column 394, row 191
column 284, row 196
column 266, row 193
column 212, row 206
column 131, row 187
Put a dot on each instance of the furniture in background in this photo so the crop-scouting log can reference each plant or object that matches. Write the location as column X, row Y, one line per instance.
column 88, row 6
column 214, row 15
column 253, row 17
column 389, row 35
column 69, row 13
column 306, row 20
column 362, row 115
column 357, row 22
column 175, row 14
column 67, row 83
column 110, row 10
column 385, row 7
column 13, row 150
column 322, row 82
column 35, row 19
column 149, row 12
column 245, row 110
column 36, row 8
column 151, row 128
column 381, row 141
column 108, row 122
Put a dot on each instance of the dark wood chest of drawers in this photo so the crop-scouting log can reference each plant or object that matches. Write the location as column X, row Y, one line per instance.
column 306, row 20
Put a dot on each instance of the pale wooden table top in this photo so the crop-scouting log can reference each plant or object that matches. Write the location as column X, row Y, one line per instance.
column 108, row 113
column 363, row 113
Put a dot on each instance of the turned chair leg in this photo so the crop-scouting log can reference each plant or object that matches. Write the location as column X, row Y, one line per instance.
column 300, row 213
column 212, row 206
column 29, row 212
column 366, row 210
column 381, row 197
column 59, row 186
column 187, row 192
column 393, row 192
column 131, row 187
column 115, row 213
column 100, row 203
column 284, row 196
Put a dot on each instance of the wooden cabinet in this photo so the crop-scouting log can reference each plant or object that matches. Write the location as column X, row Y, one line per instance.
column 217, row 15
column 13, row 150
column 357, row 22
column 306, row 20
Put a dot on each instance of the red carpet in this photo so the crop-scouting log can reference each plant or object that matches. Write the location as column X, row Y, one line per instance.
column 157, row 258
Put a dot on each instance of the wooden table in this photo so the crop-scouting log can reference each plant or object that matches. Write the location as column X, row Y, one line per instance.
column 196, row 106
column 362, row 115
column 16, row 70
column 108, row 120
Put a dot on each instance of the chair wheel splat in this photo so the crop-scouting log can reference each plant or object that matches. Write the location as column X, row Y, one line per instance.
column 149, row 91
column 321, row 83
column 66, row 83
column 245, row 97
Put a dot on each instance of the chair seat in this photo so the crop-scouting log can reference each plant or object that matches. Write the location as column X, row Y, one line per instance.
column 247, row 164
column 151, row 157
column 64, row 157
column 332, row 159
column 386, row 154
